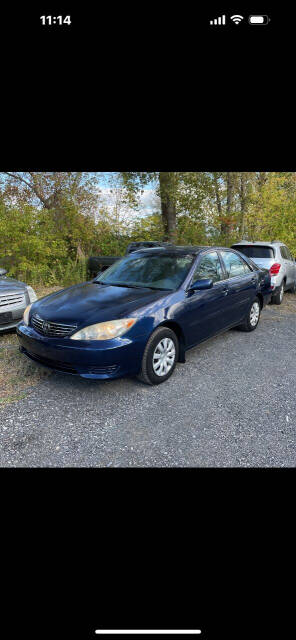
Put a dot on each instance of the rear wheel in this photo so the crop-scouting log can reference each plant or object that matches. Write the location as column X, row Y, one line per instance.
column 278, row 297
column 253, row 316
column 160, row 356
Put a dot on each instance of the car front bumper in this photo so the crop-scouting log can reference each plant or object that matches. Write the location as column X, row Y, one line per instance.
column 98, row 359
column 12, row 324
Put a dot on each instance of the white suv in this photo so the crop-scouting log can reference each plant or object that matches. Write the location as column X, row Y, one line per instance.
column 276, row 257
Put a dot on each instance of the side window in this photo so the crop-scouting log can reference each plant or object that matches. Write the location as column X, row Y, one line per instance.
column 289, row 257
column 209, row 267
column 283, row 253
column 234, row 265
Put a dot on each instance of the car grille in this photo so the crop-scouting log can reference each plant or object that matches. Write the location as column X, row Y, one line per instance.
column 12, row 300
column 52, row 329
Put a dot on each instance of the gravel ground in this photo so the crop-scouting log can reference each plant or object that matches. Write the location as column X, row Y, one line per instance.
column 232, row 404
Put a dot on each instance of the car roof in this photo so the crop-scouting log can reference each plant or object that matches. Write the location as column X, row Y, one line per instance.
column 179, row 250
column 173, row 250
column 247, row 243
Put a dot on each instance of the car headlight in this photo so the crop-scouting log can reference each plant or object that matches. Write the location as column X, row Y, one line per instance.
column 105, row 330
column 26, row 314
column 32, row 294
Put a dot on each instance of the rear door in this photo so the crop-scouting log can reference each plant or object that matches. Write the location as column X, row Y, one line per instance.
column 204, row 312
column 242, row 285
column 289, row 265
column 292, row 266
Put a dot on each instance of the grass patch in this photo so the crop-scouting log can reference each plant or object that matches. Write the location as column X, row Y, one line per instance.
column 42, row 291
column 17, row 372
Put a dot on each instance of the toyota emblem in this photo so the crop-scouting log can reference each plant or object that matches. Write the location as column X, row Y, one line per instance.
column 45, row 326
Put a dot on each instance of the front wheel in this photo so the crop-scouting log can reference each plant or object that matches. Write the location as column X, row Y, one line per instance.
column 253, row 316
column 160, row 356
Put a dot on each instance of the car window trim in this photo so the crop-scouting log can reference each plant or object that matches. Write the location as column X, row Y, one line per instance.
column 218, row 251
column 197, row 261
column 242, row 260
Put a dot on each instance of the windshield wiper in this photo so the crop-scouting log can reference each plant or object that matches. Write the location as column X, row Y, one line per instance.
column 116, row 284
column 158, row 288
column 128, row 286
column 132, row 286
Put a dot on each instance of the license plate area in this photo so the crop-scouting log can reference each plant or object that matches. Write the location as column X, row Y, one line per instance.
column 6, row 317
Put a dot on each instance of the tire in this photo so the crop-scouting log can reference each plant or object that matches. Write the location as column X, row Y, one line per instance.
column 253, row 316
column 278, row 297
column 152, row 371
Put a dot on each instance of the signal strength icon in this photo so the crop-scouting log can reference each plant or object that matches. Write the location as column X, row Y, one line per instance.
column 236, row 19
column 219, row 21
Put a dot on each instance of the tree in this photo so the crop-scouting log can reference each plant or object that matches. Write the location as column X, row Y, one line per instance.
column 166, row 188
column 51, row 189
column 168, row 182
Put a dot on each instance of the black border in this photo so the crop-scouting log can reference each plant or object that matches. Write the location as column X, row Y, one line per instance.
column 147, row 547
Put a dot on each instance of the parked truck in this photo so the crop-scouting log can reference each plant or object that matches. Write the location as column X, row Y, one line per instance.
column 96, row 264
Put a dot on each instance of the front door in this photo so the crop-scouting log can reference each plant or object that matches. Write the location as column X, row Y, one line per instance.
column 204, row 311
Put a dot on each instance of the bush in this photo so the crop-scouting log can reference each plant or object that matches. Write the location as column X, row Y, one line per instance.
column 45, row 247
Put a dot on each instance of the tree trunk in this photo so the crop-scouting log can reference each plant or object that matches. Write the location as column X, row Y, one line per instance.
column 218, row 195
column 226, row 223
column 167, row 186
column 262, row 178
column 242, row 195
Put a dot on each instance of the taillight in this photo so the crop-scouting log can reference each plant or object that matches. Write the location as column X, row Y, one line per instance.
column 274, row 269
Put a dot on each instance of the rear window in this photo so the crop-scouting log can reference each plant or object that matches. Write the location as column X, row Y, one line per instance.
column 255, row 251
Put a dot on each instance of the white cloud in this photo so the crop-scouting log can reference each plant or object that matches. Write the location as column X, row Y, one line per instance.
column 112, row 200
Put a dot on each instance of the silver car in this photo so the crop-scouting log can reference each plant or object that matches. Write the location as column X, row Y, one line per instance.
column 14, row 297
column 276, row 257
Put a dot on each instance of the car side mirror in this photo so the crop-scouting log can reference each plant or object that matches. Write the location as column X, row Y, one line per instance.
column 2, row 271
column 199, row 285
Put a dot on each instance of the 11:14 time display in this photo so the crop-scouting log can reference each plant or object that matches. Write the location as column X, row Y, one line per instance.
column 55, row 20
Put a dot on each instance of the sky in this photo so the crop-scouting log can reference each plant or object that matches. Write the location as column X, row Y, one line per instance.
column 148, row 201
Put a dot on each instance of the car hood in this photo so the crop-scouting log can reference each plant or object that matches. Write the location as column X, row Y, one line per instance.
column 9, row 284
column 89, row 303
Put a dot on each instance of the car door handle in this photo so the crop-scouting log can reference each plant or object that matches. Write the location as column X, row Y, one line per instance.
column 225, row 290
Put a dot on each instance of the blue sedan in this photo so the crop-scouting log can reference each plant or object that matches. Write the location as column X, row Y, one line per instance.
column 140, row 316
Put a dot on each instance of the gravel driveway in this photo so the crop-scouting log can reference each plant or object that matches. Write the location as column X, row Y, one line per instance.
column 232, row 404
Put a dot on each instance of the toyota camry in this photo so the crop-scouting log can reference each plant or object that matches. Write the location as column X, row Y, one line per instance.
column 140, row 316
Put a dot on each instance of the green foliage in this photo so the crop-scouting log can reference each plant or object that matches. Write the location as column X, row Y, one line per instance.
column 50, row 246
column 41, row 247
column 148, row 228
column 272, row 210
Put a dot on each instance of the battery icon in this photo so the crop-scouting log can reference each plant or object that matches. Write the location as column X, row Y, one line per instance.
column 258, row 19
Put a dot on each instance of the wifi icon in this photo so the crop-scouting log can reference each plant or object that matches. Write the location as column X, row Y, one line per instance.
column 236, row 19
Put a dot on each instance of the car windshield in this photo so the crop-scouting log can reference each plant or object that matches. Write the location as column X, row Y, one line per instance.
column 161, row 271
column 255, row 251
